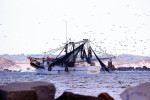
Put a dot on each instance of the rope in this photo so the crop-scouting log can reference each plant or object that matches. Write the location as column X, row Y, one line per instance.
column 99, row 47
column 50, row 52
column 103, row 52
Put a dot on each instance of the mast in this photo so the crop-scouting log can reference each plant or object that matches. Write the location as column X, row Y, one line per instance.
column 66, row 47
column 66, row 33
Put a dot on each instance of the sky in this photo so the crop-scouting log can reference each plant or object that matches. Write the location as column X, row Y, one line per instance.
column 35, row 26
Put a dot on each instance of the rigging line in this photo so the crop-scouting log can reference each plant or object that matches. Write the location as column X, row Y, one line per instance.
column 60, row 53
column 104, row 52
column 98, row 47
column 53, row 50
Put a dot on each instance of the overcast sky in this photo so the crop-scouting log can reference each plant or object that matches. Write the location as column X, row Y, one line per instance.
column 34, row 26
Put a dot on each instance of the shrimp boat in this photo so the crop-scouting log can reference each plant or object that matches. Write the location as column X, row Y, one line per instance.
column 71, row 59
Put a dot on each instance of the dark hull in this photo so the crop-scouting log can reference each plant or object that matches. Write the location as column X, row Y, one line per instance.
column 36, row 66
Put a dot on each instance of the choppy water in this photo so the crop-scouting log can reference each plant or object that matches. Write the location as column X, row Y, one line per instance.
column 113, row 83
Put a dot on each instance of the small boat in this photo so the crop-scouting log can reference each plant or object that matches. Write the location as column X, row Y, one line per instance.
column 69, row 59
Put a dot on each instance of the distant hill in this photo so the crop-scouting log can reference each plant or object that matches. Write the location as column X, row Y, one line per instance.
column 14, row 57
column 126, row 60
column 6, row 62
column 132, row 57
column 21, row 57
column 24, row 57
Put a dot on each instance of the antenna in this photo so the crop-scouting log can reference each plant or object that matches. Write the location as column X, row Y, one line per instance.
column 66, row 32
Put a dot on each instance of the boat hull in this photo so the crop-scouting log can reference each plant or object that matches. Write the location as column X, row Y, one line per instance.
column 71, row 70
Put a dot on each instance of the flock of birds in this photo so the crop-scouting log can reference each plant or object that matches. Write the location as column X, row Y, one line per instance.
column 129, row 43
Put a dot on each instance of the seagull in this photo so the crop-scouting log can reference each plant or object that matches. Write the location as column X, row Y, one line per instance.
column 85, row 33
